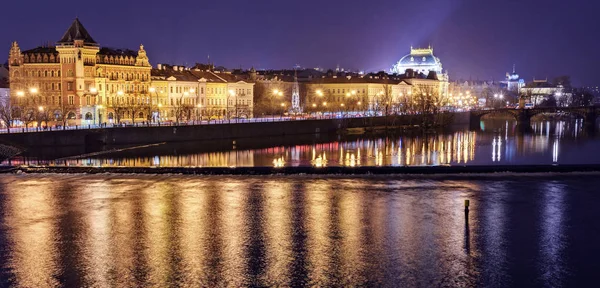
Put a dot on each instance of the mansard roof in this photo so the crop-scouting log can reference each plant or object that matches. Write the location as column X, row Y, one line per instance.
column 42, row 50
column 77, row 32
column 117, row 52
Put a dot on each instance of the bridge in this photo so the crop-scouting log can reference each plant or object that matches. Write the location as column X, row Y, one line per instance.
column 523, row 116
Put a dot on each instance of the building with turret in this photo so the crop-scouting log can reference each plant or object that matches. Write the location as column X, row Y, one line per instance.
column 80, row 80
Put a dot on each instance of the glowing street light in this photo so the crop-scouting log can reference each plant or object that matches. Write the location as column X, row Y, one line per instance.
column 324, row 103
column 320, row 93
column 192, row 90
column 41, row 108
column 152, row 89
column 93, row 90
column 20, row 93
column 353, row 92
column 33, row 90
column 314, row 105
column 120, row 93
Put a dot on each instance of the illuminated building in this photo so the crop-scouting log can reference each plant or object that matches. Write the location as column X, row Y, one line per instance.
column 78, row 79
column 421, row 61
column 201, row 93
column 370, row 91
column 539, row 91
column 513, row 82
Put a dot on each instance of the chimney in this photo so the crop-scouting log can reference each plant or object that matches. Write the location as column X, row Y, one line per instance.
column 159, row 66
column 175, row 68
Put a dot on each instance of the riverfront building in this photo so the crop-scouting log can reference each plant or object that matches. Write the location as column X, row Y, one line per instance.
column 80, row 80
column 200, row 92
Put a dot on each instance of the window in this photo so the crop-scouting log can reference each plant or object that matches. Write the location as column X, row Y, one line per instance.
column 71, row 100
column 69, row 86
column 202, row 90
column 171, row 92
column 70, row 73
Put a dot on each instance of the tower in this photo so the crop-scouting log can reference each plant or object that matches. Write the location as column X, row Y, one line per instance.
column 296, row 109
column 77, row 51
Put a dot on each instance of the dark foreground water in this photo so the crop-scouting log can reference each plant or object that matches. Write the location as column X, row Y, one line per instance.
column 167, row 231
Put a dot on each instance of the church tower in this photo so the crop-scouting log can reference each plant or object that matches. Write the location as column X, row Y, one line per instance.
column 296, row 95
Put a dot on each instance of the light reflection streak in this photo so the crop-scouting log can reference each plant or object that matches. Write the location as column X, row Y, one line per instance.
column 553, row 238
column 32, row 206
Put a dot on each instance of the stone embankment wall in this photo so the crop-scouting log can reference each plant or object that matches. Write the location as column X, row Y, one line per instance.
column 153, row 134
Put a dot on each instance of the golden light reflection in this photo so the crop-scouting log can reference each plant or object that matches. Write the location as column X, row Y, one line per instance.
column 31, row 207
column 457, row 148
column 321, row 235
column 278, row 230
column 98, row 233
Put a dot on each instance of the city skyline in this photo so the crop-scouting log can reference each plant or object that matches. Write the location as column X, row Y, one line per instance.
column 278, row 35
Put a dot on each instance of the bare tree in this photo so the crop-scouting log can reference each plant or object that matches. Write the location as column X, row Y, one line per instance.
column 28, row 115
column 43, row 116
column 119, row 109
column 62, row 111
column 384, row 100
column 427, row 101
column 8, row 113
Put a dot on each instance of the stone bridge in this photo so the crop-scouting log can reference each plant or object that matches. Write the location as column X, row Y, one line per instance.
column 523, row 116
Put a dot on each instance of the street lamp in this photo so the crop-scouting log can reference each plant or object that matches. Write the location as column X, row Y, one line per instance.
column 232, row 94
column 99, row 114
column 282, row 109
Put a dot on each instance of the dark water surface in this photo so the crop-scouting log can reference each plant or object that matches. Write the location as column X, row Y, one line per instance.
column 166, row 231
column 498, row 142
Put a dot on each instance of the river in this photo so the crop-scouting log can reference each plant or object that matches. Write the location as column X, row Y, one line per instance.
column 212, row 231
column 108, row 230
column 498, row 142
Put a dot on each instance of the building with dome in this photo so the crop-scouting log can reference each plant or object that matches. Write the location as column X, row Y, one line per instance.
column 420, row 60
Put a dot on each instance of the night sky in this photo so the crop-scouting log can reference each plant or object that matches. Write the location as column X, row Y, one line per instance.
column 478, row 39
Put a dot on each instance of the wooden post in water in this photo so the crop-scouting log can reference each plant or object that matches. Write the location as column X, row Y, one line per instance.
column 467, row 210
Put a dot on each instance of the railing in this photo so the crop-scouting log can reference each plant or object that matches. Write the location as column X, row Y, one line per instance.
column 272, row 118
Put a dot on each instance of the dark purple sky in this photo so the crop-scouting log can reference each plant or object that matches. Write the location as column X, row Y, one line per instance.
column 474, row 38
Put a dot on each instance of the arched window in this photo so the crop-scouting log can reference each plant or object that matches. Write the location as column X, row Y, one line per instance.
column 88, row 116
column 71, row 115
column 141, row 115
column 111, row 115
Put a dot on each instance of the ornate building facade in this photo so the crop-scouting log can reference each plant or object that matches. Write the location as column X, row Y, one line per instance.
column 78, row 80
column 200, row 92
column 421, row 61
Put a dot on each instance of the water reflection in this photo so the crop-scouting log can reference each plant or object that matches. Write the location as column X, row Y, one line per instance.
column 165, row 231
column 550, row 142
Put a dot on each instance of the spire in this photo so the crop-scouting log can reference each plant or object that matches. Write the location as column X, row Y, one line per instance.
column 514, row 69
column 77, row 32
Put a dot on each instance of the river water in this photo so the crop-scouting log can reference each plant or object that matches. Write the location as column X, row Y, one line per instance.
column 213, row 231
column 498, row 142
column 523, row 230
